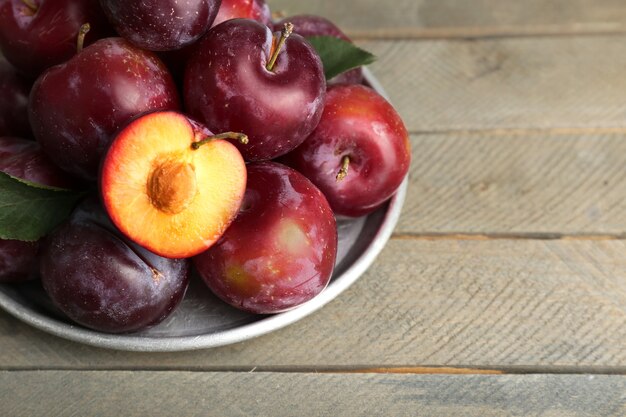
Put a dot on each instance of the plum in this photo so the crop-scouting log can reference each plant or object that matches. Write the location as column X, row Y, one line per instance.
column 161, row 25
column 242, row 78
column 102, row 280
column 280, row 251
column 359, row 153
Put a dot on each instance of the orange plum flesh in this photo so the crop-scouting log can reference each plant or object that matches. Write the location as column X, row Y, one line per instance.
column 164, row 195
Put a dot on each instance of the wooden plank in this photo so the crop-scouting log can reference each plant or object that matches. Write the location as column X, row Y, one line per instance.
column 523, row 184
column 59, row 393
column 464, row 18
column 504, row 304
column 512, row 83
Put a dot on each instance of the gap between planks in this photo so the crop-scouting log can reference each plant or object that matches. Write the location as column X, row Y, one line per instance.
column 514, row 132
column 417, row 34
column 394, row 370
column 507, row 236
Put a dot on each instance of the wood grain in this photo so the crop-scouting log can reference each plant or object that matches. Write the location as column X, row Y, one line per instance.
column 462, row 18
column 517, row 184
column 511, row 83
column 496, row 304
column 274, row 394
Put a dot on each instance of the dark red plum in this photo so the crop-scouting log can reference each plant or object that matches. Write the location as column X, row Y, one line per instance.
column 311, row 25
column 247, row 9
column 75, row 108
column 280, row 251
column 229, row 87
column 24, row 159
column 14, row 91
column 37, row 34
column 103, row 281
column 359, row 153
column 161, row 25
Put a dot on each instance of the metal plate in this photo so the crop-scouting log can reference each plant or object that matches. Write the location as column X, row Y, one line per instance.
column 203, row 321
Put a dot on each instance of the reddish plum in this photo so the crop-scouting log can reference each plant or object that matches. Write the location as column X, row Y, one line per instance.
column 280, row 251
column 37, row 34
column 161, row 25
column 102, row 280
column 359, row 153
column 75, row 108
column 232, row 83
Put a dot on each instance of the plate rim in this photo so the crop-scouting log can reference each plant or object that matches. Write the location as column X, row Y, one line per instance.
column 237, row 334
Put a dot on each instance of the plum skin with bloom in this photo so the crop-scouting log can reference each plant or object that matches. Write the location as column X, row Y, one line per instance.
column 104, row 281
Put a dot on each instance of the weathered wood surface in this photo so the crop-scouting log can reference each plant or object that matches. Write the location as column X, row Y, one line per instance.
column 462, row 18
column 511, row 83
column 504, row 304
column 131, row 394
column 519, row 135
column 530, row 184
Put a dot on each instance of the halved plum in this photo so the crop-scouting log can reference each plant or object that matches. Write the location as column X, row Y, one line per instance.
column 172, row 186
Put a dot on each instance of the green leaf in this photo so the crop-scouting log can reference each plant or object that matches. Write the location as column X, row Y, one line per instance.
column 28, row 211
column 339, row 56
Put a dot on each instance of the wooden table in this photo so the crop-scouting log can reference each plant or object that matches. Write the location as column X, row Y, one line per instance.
column 503, row 289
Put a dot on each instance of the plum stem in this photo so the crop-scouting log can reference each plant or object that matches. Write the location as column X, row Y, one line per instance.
column 284, row 34
column 32, row 7
column 82, row 32
column 343, row 171
column 239, row 137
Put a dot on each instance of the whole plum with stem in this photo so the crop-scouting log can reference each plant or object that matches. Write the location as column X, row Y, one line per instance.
column 359, row 153
column 241, row 78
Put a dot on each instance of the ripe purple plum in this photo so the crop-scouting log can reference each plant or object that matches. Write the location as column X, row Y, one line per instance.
column 280, row 251
column 242, row 79
column 103, row 281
